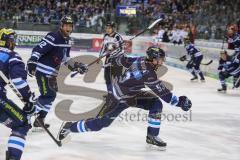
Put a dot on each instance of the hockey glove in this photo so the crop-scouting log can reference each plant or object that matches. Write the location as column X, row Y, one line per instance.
column 184, row 103
column 80, row 67
column 29, row 107
column 183, row 58
column 31, row 67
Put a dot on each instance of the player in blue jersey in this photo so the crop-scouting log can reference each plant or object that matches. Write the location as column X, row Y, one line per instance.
column 13, row 117
column 45, row 61
column 228, row 66
column 195, row 60
column 235, row 40
column 127, row 91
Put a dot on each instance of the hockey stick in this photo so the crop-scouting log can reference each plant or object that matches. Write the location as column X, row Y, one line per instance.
column 15, row 90
column 148, row 28
column 223, row 41
column 98, row 59
column 235, row 84
column 224, row 36
column 206, row 64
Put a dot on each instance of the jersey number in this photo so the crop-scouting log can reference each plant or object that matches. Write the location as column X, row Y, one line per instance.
column 42, row 44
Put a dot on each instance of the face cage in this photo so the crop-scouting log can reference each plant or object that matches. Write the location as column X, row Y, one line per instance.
column 13, row 38
column 158, row 57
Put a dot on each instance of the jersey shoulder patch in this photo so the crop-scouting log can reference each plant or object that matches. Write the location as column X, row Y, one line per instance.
column 4, row 56
column 51, row 36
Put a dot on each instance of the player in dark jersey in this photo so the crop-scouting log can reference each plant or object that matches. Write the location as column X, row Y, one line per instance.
column 195, row 60
column 234, row 33
column 45, row 61
column 228, row 66
column 234, row 40
column 127, row 91
column 11, row 115
column 111, row 41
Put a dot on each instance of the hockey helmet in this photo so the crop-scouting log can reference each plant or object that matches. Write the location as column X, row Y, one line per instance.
column 66, row 20
column 7, row 38
column 110, row 24
column 186, row 40
column 231, row 30
column 155, row 52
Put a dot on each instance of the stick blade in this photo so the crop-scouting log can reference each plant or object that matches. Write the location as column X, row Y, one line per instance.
column 208, row 62
column 154, row 23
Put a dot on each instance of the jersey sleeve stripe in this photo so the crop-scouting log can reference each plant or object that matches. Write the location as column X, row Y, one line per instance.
column 15, row 59
column 21, row 84
column 58, row 45
column 151, row 83
column 48, row 68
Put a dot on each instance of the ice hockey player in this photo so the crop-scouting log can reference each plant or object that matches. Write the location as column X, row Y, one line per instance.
column 127, row 91
column 45, row 61
column 235, row 40
column 195, row 60
column 111, row 41
column 12, row 116
column 228, row 66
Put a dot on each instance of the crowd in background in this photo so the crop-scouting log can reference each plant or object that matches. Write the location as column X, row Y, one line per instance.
column 84, row 13
column 213, row 16
column 210, row 17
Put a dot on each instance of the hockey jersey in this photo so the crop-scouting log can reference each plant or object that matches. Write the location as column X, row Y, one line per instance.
column 51, row 52
column 193, row 51
column 236, row 42
column 231, row 65
column 116, row 40
column 139, row 73
column 13, row 68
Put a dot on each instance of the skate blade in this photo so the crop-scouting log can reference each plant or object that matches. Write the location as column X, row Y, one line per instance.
column 194, row 81
column 37, row 130
column 156, row 148
column 66, row 140
column 223, row 92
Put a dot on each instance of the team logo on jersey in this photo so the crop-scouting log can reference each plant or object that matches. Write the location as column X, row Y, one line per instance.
column 3, row 57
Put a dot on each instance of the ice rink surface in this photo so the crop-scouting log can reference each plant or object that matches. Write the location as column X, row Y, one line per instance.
column 211, row 131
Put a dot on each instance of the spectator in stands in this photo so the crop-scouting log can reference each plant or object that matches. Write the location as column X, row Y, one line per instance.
column 166, row 35
column 210, row 15
column 176, row 36
column 160, row 34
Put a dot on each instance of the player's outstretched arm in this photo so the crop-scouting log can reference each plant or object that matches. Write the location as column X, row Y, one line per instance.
column 165, row 94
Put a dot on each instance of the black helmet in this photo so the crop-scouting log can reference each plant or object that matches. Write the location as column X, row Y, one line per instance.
column 6, row 37
column 66, row 20
column 110, row 24
column 155, row 52
column 186, row 40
